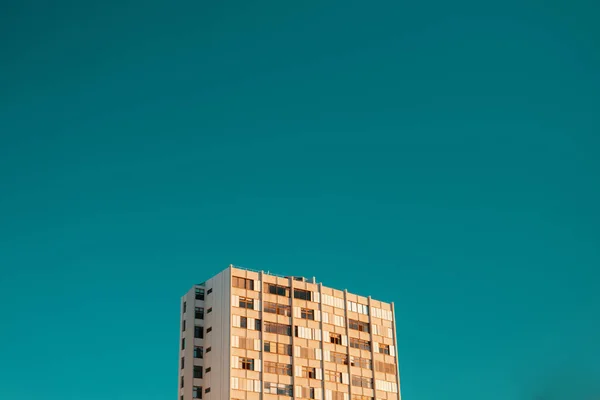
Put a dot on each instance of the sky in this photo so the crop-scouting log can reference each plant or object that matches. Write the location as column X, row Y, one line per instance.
column 440, row 155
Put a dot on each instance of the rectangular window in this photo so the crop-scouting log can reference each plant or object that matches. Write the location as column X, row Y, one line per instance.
column 388, row 368
column 244, row 343
column 302, row 294
column 197, row 392
column 199, row 332
column 333, row 376
column 209, row 310
column 277, row 290
column 209, row 291
column 182, row 381
column 246, row 303
column 207, row 390
column 197, row 371
column 182, row 362
column 242, row 283
column 339, row 358
column 360, row 344
column 183, row 344
column 209, row 329
column 199, row 313
column 384, row 348
column 309, row 372
column 257, row 326
column 243, row 322
column 280, row 329
column 208, row 349
column 278, row 348
column 307, row 393
column 199, row 294
column 184, row 306
column 335, row 338
column 207, row 370
column 358, row 325
column 278, row 368
column 279, row 388
column 361, row 362
column 183, row 326
column 362, row 381
column 307, row 313
column 247, row 363
column 198, row 352
column 279, row 309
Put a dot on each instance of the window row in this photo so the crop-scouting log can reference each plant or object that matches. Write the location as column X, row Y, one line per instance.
column 246, row 322
column 245, row 384
column 359, row 308
column 278, row 368
column 242, row 283
column 388, row 368
column 386, row 386
column 362, row 381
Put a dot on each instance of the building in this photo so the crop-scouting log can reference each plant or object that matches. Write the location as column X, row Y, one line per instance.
column 249, row 335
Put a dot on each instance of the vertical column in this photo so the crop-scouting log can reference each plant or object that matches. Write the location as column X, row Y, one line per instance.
column 293, row 336
column 348, row 346
column 322, row 343
column 262, row 335
column 372, row 349
column 396, row 349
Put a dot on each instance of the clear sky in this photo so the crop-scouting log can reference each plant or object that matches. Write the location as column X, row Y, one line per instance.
column 441, row 155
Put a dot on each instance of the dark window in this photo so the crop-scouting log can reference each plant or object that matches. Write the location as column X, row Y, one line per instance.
column 182, row 381
column 197, row 392
column 207, row 370
column 182, row 362
column 302, row 294
column 208, row 349
column 209, row 291
column 183, row 344
column 243, row 322
column 207, row 390
column 197, row 371
column 281, row 329
column 257, row 324
column 199, row 313
column 275, row 308
column 184, row 306
column 181, row 397
column 209, row 310
column 278, row 388
column 183, row 325
column 309, row 372
column 242, row 283
column 199, row 294
column 209, row 329
column 198, row 352
column 247, row 363
column 278, row 348
column 358, row 325
column 277, row 290
column 199, row 332
column 360, row 344
column 335, row 338
column 307, row 313
column 361, row 362
column 384, row 348
column 246, row 303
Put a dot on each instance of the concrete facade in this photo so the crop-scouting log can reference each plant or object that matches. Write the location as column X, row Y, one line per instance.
column 251, row 335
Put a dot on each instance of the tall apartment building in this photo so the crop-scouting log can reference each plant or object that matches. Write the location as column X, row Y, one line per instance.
column 248, row 335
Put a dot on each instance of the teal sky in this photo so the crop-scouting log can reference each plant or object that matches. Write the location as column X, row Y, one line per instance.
column 441, row 155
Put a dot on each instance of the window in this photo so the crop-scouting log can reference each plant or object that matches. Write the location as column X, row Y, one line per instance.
column 199, row 294
column 384, row 348
column 333, row 376
column 362, row 381
column 247, row 363
column 207, row 370
column 278, row 368
column 280, row 329
column 208, row 349
column 277, row 290
column 209, row 291
column 360, row 344
column 182, row 362
column 184, row 306
column 243, row 322
column 279, row 309
column 199, row 313
column 198, row 352
column 335, row 338
column 307, row 353
column 358, row 325
column 302, row 294
column 244, row 343
column 183, row 344
column 339, row 358
column 209, row 329
column 197, row 392
column 207, row 390
column 209, row 310
column 279, row 388
column 278, row 348
column 199, row 332
column 181, row 384
column 309, row 372
column 242, row 283
column 307, row 313
column 197, row 371
column 246, row 303
column 385, row 367
column 183, row 326
column 181, row 397
column 361, row 397
column 307, row 393
column 257, row 325
column 361, row 362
